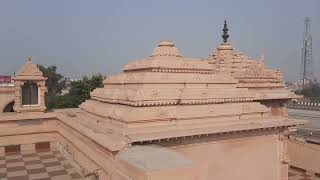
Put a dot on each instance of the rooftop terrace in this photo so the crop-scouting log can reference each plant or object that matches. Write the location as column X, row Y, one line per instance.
column 28, row 162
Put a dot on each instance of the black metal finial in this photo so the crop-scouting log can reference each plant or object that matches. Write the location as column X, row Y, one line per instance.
column 225, row 34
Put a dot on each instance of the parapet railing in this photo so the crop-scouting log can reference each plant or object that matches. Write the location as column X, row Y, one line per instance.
column 304, row 105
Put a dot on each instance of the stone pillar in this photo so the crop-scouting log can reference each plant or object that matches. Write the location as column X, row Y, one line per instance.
column 17, row 93
column 284, row 110
column 43, row 90
column 284, row 156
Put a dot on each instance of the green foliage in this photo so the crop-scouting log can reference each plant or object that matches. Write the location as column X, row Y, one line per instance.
column 312, row 92
column 63, row 101
column 78, row 93
column 55, row 82
column 79, row 90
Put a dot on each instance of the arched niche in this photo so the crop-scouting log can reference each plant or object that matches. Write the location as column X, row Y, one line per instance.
column 9, row 107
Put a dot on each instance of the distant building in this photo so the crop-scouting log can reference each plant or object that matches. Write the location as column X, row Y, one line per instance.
column 6, row 80
column 292, row 86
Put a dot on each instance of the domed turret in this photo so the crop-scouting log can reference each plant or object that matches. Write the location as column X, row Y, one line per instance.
column 29, row 88
column 166, row 48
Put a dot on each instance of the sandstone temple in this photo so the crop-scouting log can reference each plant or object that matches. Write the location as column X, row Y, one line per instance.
column 165, row 117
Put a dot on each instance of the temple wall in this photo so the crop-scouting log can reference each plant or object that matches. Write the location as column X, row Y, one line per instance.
column 88, row 155
column 260, row 151
column 278, row 108
column 242, row 159
column 304, row 155
column 6, row 96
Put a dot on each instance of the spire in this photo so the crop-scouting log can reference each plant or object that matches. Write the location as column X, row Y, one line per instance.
column 225, row 34
column 261, row 61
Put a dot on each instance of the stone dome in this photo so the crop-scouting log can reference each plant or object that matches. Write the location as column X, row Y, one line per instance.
column 29, row 71
column 166, row 48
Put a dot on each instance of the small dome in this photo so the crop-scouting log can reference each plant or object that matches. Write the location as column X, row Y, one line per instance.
column 29, row 71
column 166, row 48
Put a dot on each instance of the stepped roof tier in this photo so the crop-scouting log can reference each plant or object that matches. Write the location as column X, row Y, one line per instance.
column 169, row 96
column 250, row 73
column 167, row 58
column 29, row 71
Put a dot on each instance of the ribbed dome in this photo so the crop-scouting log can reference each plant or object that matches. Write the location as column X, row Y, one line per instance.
column 166, row 48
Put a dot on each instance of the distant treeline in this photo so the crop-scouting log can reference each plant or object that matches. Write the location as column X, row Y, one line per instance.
column 78, row 91
column 312, row 92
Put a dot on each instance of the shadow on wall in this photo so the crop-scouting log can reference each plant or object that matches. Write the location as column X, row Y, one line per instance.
column 9, row 107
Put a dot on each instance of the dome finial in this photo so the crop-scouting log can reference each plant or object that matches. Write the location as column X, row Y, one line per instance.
column 225, row 34
column 29, row 59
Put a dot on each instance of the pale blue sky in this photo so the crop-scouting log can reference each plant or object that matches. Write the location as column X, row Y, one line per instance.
column 87, row 36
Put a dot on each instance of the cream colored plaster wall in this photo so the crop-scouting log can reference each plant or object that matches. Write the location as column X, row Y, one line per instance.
column 304, row 155
column 182, row 173
column 243, row 159
column 5, row 98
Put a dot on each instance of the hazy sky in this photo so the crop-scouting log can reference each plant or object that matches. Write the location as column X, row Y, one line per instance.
column 84, row 37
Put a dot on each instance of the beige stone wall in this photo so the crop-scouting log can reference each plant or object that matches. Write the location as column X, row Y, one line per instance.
column 304, row 155
column 246, row 158
column 242, row 159
column 6, row 96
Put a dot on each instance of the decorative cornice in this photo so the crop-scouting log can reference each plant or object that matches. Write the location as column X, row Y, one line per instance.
column 211, row 137
column 172, row 102
column 182, row 71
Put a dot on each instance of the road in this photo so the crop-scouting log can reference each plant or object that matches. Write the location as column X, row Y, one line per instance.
column 310, row 130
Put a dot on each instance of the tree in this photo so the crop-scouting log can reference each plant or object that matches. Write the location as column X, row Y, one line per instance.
column 55, row 82
column 312, row 92
column 78, row 93
column 80, row 90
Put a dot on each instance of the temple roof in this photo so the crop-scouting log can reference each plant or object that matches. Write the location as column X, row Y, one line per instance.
column 250, row 72
column 263, row 82
column 167, row 87
column 29, row 71
column 166, row 48
column 167, row 58
column 240, row 66
column 167, row 95
column 169, row 78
